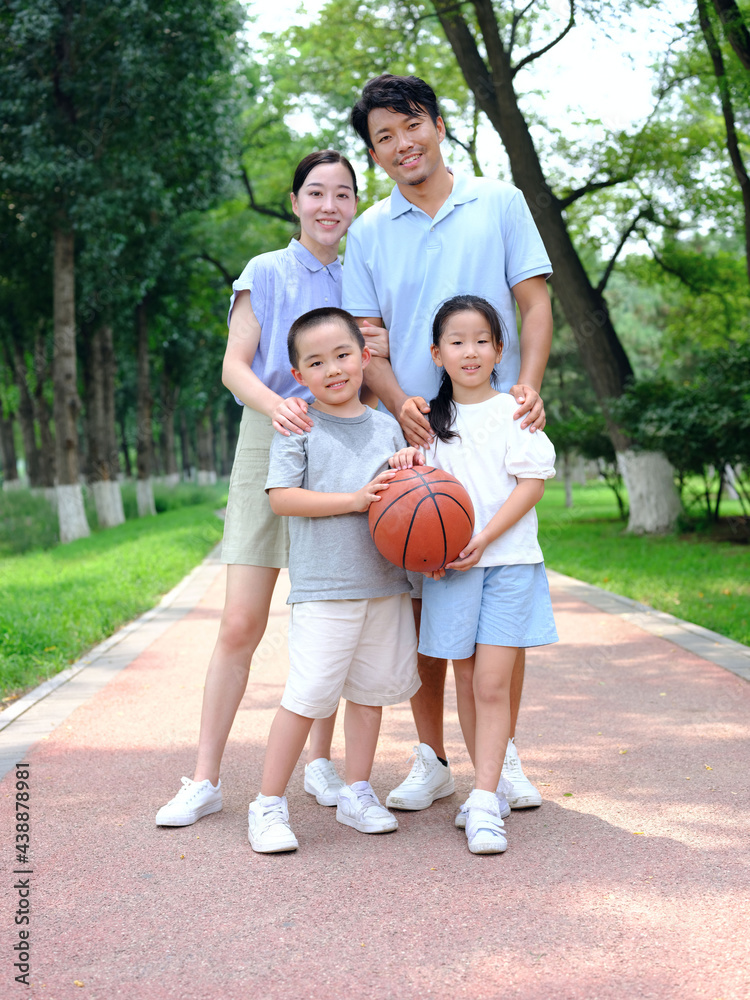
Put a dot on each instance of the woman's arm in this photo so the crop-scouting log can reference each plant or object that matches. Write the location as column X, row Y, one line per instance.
column 237, row 375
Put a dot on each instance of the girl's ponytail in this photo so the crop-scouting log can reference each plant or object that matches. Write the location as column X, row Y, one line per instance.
column 443, row 410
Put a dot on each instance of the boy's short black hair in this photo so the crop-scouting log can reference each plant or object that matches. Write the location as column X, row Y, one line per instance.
column 406, row 95
column 316, row 317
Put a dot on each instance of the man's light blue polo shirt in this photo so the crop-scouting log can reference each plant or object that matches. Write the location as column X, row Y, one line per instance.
column 401, row 265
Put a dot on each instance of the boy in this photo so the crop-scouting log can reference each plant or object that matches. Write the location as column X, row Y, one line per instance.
column 351, row 628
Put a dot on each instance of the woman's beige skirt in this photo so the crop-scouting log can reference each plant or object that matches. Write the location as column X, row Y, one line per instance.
column 253, row 534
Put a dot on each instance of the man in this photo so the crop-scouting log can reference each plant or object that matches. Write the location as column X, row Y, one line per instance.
column 435, row 236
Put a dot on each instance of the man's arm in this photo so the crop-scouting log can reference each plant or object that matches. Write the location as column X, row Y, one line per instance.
column 535, row 342
column 408, row 410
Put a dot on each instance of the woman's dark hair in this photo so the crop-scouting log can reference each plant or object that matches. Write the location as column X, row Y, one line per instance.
column 406, row 95
column 313, row 160
column 317, row 317
column 442, row 407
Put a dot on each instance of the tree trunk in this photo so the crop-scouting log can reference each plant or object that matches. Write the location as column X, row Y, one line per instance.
column 26, row 419
column 144, row 436
column 43, row 413
column 103, row 465
column 71, row 513
column 125, row 449
column 169, row 396
column 206, row 464
column 601, row 352
column 185, row 447
column 11, row 480
column 654, row 507
column 568, row 478
column 222, row 443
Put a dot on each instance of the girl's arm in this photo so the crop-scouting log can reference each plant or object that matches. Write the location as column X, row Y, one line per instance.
column 293, row 501
column 525, row 496
column 287, row 415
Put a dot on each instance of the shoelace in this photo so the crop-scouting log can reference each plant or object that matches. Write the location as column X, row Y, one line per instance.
column 272, row 815
column 420, row 764
column 366, row 797
column 327, row 772
column 513, row 767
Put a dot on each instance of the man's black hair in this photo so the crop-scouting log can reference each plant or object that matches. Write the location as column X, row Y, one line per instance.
column 406, row 95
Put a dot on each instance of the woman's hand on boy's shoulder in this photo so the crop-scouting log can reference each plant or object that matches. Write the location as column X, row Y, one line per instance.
column 290, row 416
column 530, row 407
column 406, row 458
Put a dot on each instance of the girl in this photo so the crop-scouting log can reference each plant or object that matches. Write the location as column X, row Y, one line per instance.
column 493, row 599
column 273, row 290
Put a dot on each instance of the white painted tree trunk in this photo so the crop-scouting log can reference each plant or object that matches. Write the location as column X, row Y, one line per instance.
column 12, row 484
column 108, row 500
column 144, row 494
column 171, row 479
column 652, row 495
column 206, row 477
column 71, row 515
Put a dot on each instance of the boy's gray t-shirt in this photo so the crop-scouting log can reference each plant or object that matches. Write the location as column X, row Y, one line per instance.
column 334, row 558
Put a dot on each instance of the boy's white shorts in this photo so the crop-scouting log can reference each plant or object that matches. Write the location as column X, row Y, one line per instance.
column 362, row 650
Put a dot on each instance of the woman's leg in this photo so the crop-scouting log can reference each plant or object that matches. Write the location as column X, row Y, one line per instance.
column 361, row 729
column 493, row 666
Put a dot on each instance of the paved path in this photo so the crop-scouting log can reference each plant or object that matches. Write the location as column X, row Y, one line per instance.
column 631, row 881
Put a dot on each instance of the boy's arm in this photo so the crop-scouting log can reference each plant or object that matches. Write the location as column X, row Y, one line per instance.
column 408, row 410
column 294, row 501
column 535, row 342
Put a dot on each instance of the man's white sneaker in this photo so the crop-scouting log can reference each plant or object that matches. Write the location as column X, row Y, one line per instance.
column 322, row 781
column 523, row 794
column 428, row 780
column 194, row 799
column 485, row 830
column 268, row 827
column 359, row 807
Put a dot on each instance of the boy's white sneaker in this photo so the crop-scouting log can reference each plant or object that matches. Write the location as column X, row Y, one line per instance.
column 322, row 781
column 428, row 780
column 359, row 807
column 503, row 787
column 523, row 794
column 485, row 830
column 268, row 827
column 194, row 800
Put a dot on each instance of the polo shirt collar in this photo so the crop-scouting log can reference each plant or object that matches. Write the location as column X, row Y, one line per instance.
column 463, row 191
column 311, row 262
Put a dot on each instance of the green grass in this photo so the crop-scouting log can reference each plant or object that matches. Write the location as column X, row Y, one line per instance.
column 56, row 604
column 690, row 576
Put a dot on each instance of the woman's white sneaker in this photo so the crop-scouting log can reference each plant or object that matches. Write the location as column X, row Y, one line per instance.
column 194, row 800
column 268, row 827
column 428, row 780
column 523, row 795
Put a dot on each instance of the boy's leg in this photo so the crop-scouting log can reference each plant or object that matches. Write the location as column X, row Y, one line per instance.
column 286, row 740
column 361, row 729
column 321, row 736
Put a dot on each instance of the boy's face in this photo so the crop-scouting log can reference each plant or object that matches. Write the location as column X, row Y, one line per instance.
column 331, row 363
column 407, row 147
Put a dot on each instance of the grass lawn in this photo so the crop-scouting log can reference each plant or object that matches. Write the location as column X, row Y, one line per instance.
column 56, row 604
column 690, row 576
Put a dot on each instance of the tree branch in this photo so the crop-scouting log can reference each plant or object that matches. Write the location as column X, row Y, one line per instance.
column 275, row 213
column 540, row 52
column 218, row 265
column 518, row 16
column 665, row 267
column 623, row 240
column 590, row 186
column 735, row 29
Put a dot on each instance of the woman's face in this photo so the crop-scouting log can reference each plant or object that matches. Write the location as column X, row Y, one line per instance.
column 325, row 206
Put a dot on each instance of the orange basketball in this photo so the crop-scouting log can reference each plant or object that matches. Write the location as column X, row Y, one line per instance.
column 423, row 520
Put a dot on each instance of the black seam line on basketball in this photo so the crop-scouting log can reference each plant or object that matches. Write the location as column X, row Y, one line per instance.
column 411, row 525
column 417, row 486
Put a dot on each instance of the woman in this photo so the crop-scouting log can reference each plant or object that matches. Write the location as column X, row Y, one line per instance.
column 273, row 290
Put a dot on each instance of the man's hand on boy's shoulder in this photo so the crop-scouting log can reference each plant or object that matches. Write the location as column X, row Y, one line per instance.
column 414, row 422
column 530, row 406
column 406, row 458
column 376, row 338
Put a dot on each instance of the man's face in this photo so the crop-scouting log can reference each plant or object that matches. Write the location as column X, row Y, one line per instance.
column 407, row 147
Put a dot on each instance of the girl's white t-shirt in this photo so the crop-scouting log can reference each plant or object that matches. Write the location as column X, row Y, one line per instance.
column 493, row 453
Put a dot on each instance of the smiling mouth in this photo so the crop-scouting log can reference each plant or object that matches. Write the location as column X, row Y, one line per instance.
column 336, row 385
column 471, row 368
column 328, row 223
column 407, row 161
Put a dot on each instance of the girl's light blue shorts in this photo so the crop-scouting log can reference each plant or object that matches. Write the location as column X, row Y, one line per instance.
column 494, row 605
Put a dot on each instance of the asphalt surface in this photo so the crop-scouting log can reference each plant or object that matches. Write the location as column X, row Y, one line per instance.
column 631, row 881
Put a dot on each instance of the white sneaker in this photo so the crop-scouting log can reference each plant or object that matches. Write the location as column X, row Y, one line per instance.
column 194, row 799
column 503, row 787
column 428, row 780
column 268, row 827
column 322, row 781
column 359, row 807
column 523, row 794
column 485, row 830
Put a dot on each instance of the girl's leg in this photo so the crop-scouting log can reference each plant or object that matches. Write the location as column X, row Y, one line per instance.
column 493, row 666
column 361, row 729
column 286, row 740
column 463, row 671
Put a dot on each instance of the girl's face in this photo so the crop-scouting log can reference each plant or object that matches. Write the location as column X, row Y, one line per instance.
column 325, row 206
column 467, row 352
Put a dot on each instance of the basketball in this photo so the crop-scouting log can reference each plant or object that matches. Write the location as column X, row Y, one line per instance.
column 423, row 520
